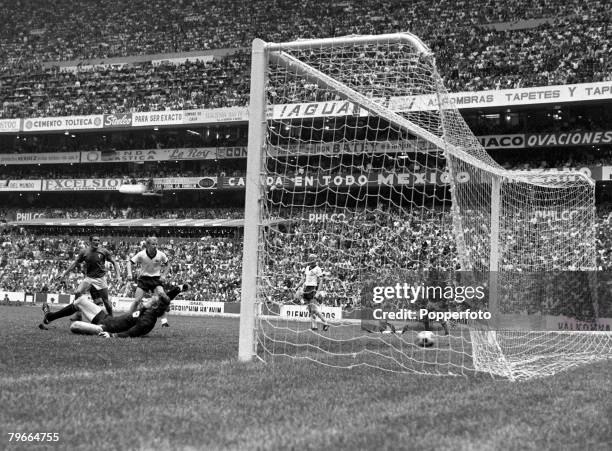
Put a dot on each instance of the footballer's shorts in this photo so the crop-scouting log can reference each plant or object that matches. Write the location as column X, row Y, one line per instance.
column 92, row 312
column 148, row 283
column 309, row 293
column 97, row 283
column 98, row 295
column 309, row 297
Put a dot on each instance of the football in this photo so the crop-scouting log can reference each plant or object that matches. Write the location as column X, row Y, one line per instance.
column 426, row 339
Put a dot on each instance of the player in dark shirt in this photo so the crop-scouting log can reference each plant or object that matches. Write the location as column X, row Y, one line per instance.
column 94, row 258
column 135, row 324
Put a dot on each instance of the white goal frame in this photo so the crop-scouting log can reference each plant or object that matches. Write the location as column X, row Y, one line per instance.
column 262, row 54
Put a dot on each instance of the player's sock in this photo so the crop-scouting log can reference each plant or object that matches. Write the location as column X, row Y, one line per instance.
column 108, row 305
column 70, row 309
column 46, row 310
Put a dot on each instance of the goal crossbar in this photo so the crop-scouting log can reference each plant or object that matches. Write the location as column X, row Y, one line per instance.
column 404, row 37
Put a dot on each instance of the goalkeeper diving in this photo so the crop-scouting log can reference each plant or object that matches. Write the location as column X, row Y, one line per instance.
column 134, row 324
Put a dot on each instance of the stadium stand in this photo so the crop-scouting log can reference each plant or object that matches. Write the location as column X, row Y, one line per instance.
column 478, row 46
column 117, row 212
column 142, row 87
column 83, row 60
column 211, row 264
column 29, row 261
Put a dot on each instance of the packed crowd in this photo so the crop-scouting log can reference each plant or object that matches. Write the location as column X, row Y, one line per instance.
column 127, row 212
column 570, row 44
column 562, row 159
column 511, row 159
column 357, row 248
column 91, row 31
column 140, row 87
column 212, row 137
column 211, row 265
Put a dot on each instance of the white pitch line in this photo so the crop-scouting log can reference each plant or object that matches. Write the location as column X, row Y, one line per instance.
column 49, row 377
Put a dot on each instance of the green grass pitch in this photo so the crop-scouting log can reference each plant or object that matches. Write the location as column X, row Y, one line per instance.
column 182, row 388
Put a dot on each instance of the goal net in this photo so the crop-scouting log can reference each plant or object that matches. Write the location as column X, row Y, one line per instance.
column 360, row 163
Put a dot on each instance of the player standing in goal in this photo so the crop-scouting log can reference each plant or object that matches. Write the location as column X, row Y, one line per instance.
column 310, row 285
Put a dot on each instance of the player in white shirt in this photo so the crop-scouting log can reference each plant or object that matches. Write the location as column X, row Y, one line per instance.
column 152, row 265
column 310, row 285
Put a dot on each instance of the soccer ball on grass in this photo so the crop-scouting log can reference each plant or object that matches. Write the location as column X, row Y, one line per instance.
column 426, row 339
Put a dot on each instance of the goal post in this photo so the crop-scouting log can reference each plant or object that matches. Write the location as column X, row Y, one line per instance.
column 360, row 163
column 253, row 199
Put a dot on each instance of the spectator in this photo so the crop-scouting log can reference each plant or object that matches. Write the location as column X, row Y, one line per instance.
column 494, row 45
